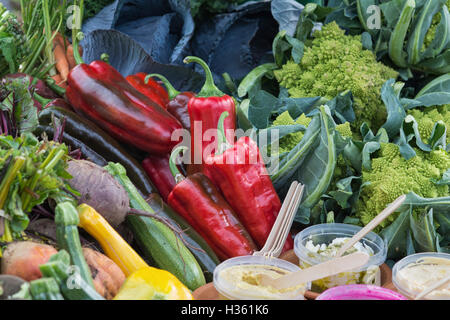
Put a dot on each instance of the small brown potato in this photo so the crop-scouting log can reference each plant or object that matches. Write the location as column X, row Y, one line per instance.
column 99, row 190
column 108, row 277
column 23, row 258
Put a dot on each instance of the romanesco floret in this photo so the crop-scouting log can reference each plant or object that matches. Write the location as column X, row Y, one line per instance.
column 428, row 117
column 288, row 142
column 345, row 130
column 342, row 165
column 433, row 27
column 392, row 175
column 333, row 63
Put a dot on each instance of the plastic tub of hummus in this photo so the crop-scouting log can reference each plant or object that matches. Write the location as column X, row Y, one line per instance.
column 237, row 279
column 416, row 272
column 320, row 243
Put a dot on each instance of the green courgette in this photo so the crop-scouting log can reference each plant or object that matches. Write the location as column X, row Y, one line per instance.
column 158, row 243
column 45, row 289
column 72, row 286
column 68, row 238
column 83, row 134
column 205, row 256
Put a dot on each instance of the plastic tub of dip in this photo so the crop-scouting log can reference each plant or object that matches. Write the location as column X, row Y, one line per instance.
column 360, row 292
column 237, row 279
column 320, row 243
column 416, row 272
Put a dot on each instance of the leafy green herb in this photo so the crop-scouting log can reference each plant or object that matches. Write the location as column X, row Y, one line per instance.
column 17, row 111
column 13, row 42
column 34, row 171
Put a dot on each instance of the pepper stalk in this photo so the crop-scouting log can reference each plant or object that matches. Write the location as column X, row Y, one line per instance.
column 169, row 87
column 222, row 142
column 173, row 166
column 209, row 88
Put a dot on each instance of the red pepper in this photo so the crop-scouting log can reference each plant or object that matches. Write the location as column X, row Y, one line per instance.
column 103, row 95
column 241, row 175
column 158, row 169
column 149, row 87
column 198, row 200
column 205, row 110
column 177, row 105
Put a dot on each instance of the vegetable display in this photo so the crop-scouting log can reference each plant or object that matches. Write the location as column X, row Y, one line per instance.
column 146, row 144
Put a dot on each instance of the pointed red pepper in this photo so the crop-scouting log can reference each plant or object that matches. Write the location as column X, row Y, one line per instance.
column 178, row 103
column 198, row 200
column 241, row 175
column 204, row 111
column 102, row 94
column 149, row 87
column 158, row 170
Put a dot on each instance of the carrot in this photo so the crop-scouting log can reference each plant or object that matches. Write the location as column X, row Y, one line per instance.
column 62, row 65
column 59, row 81
column 59, row 51
column 70, row 58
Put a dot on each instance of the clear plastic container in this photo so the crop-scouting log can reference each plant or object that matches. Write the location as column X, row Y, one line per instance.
column 414, row 284
column 325, row 234
column 239, row 289
column 360, row 292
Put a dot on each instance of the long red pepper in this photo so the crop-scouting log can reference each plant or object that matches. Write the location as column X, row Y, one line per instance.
column 178, row 103
column 158, row 170
column 197, row 199
column 149, row 87
column 241, row 175
column 204, row 111
column 101, row 93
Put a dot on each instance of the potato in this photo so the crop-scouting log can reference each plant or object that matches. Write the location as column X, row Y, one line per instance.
column 23, row 258
column 99, row 190
column 107, row 276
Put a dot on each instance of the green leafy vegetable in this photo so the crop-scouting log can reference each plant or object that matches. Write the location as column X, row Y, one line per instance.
column 31, row 171
column 13, row 42
column 17, row 111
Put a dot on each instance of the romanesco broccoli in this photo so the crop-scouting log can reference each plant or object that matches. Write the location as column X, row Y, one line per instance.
column 433, row 27
column 333, row 63
column 392, row 175
column 288, row 142
column 428, row 117
column 345, row 130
